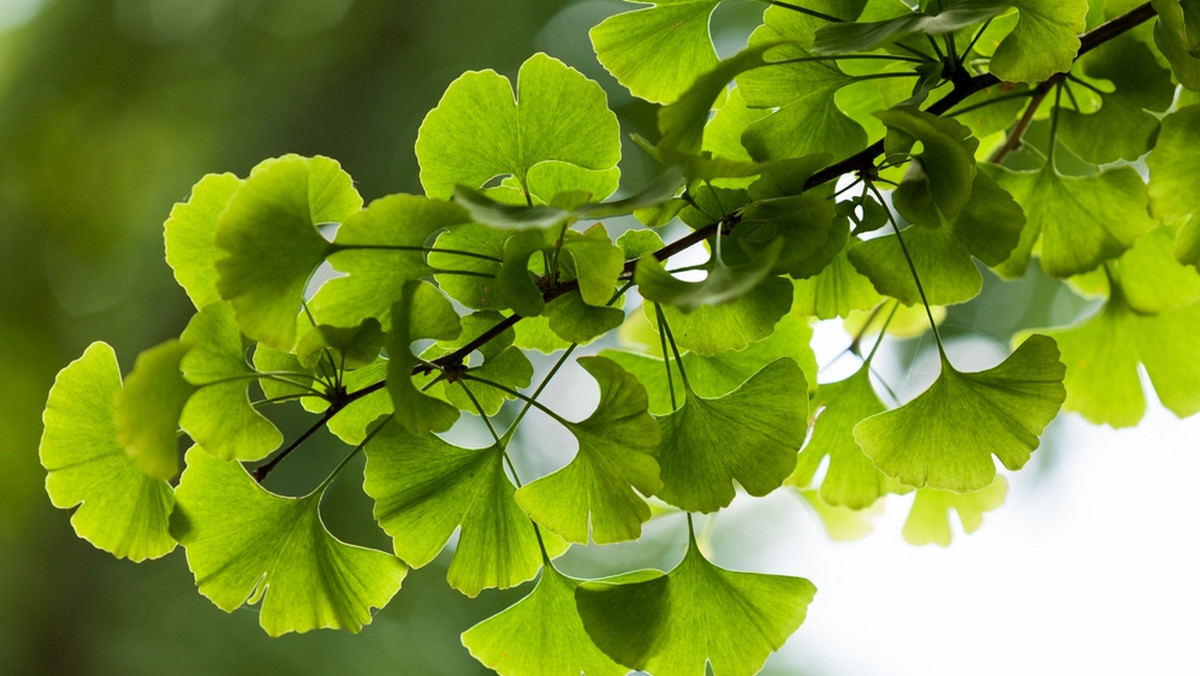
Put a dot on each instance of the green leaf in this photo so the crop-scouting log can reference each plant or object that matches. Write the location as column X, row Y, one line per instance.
column 148, row 409
column 191, row 240
column 594, row 493
column 425, row 489
column 810, row 234
column 595, row 261
column 946, row 165
column 482, row 129
column 379, row 249
column 947, row 273
column 352, row 422
column 1079, row 221
column 1187, row 243
column 849, row 37
column 1102, row 355
column 421, row 312
column 1044, row 42
column 1177, row 34
column 841, row 524
column 245, row 544
column 990, row 223
column 837, row 290
column 1124, row 127
column 925, row 442
column 1174, row 166
column 1151, row 280
column 851, row 480
column 722, row 285
column 803, row 93
column 723, row 373
column 501, row 363
column 657, row 52
column 121, row 509
column 574, row 321
column 638, row 243
column 219, row 417
column 540, row 635
column 672, row 624
column 713, row 329
column 477, row 292
column 750, row 435
column 350, row 348
column 269, row 230
column 929, row 520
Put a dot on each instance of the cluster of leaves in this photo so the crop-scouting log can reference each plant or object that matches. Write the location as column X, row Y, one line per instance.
column 717, row 387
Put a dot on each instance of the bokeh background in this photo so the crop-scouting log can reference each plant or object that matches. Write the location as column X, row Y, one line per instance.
column 111, row 109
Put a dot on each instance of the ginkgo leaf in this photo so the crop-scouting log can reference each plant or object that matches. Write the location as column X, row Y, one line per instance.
column 421, row 312
column 750, row 435
column 657, row 52
column 841, row 524
column 502, row 364
column 1123, row 127
column 713, row 329
column 924, row 442
column 851, row 480
column 245, row 545
column 1151, row 279
column 946, row 163
column 806, row 226
column 1178, row 38
column 121, row 509
column 540, row 635
column 673, row 624
column 1173, row 167
column 350, row 347
column 1044, row 42
column 723, row 373
column 476, row 290
column 1102, row 354
column 425, row 489
column 943, row 264
column 480, row 129
column 574, row 321
column 149, row 406
column 190, row 237
column 593, row 495
column 864, row 36
column 837, row 290
column 722, row 285
column 591, row 258
column 269, row 230
column 929, row 520
column 380, row 248
column 801, row 92
column 219, row 417
column 1080, row 221
column 638, row 243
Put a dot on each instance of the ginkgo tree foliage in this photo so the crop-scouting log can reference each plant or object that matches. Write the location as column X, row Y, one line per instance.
column 855, row 157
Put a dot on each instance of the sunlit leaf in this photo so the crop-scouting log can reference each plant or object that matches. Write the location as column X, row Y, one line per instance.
column 421, row 312
column 929, row 520
column 750, row 435
column 219, row 417
column 657, row 52
column 540, row 635
column 847, row 37
column 269, row 230
column 148, row 409
column 943, row 264
column 121, row 509
column 672, row 624
column 925, row 442
column 480, row 129
column 425, row 489
column 713, row 329
column 837, row 290
column 1174, row 165
column 190, row 234
column 379, row 249
column 245, row 544
column 852, row 479
column 1043, row 43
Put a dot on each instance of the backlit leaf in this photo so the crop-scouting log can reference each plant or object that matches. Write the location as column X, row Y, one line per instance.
column 421, row 312
column 925, row 442
column 148, row 409
column 245, row 544
column 1043, row 43
column 190, row 234
column 121, row 509
column 929, row 520
column 593, row 495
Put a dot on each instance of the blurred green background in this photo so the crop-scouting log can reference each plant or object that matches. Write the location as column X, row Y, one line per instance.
column 109, row 111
